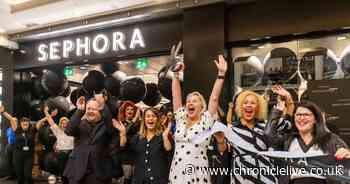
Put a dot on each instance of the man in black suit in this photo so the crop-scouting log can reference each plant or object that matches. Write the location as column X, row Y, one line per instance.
column 91, row 162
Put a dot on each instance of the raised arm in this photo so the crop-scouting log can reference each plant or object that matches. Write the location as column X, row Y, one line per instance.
column 74, row 122
column 230, row 116
column 219, row 83
column 285, row 96
column 137, row 115
column 12, row 120
column 166, row 142
column 40, row 123
column 49, row 116
column 122, row 132
column 176, row 89
column 273, row 136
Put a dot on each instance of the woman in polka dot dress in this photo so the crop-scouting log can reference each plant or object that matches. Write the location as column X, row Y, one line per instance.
column 193, row 119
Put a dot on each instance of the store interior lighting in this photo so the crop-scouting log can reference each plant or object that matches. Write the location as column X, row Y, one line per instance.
column 341, row 38
column 16, row 2
column 85, row 27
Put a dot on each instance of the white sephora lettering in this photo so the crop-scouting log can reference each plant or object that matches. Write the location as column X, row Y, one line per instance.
column 84, row 46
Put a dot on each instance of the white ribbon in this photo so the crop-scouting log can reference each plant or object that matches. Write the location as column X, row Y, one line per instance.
column 236, row 140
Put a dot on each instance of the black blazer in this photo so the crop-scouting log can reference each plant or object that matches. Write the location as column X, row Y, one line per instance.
column 91, row 153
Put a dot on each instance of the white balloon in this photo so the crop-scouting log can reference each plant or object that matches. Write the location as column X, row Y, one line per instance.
column 256, row 63
column 119, row 75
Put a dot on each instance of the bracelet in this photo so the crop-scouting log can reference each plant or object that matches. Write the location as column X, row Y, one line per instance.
column 221, row 77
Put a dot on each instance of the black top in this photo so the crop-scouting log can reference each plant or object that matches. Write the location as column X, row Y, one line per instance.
column 126, row 156
column 218, row 160
column 151, row 160
column 25, row 139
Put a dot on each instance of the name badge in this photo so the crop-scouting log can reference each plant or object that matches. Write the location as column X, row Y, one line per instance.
column 25, row 148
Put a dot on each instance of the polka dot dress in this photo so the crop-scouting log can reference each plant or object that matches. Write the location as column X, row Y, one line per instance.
column 187, row 154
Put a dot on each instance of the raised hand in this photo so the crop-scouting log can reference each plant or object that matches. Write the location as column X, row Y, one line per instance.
column 54, row 113
column 281, row 105
column 120, row 126
column 81, row 103
column 2, row 109
column 278, row 89
column 342, row 153
column 166, row 132
column 221, row 65
column 46, row 110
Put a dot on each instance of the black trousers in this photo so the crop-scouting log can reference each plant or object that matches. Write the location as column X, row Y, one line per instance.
column 9, row 156
column 23, row 164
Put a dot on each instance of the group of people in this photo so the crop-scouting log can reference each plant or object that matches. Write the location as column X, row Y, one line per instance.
column 148, row 146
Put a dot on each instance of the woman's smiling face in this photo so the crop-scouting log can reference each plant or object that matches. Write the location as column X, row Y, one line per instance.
column 249, row 107
column 194, row 106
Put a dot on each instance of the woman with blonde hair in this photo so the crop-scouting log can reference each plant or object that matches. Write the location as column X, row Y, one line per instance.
column 151, row 148
column 192, row 119
column 251, row 111
column 64, row 143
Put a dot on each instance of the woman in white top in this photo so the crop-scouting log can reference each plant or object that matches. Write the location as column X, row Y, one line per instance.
column 193, row 119
column 64, row 143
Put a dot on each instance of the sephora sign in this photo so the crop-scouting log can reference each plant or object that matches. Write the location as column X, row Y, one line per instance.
column 85, row 46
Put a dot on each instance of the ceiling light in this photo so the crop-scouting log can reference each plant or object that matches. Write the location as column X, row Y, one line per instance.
column 2, row 30
column 261, row 47
column 15, row 2
column 341, row 38
column 85, row 27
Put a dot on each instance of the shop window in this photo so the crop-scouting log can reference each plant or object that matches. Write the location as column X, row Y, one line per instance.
column 257, row 67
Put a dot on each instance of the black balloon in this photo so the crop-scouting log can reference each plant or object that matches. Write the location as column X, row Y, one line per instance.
column 66, row 92
column 133, row 89
column 76, row 94
column 53, row 83
column 109, row 68
column 38, row 92
column 36, row 110
column 94, row 82
column 153, row 96
column 112, row 86
column 60, row 103
column 164, row 84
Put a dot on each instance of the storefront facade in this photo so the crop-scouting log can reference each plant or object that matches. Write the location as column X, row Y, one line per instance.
column 238, row 31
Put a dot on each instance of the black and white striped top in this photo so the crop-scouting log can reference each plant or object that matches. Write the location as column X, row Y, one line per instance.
column 245, row 159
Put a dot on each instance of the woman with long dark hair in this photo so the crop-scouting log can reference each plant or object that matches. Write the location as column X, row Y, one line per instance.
column 309, row 134
column 151, row 148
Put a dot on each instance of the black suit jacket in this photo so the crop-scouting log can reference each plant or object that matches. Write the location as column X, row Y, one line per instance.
column 91, row 153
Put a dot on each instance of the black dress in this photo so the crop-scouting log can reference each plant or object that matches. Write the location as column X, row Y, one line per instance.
column 151, row 160
column 23, row 154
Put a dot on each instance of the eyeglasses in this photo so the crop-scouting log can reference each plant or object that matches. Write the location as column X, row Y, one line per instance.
column 305, row 115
